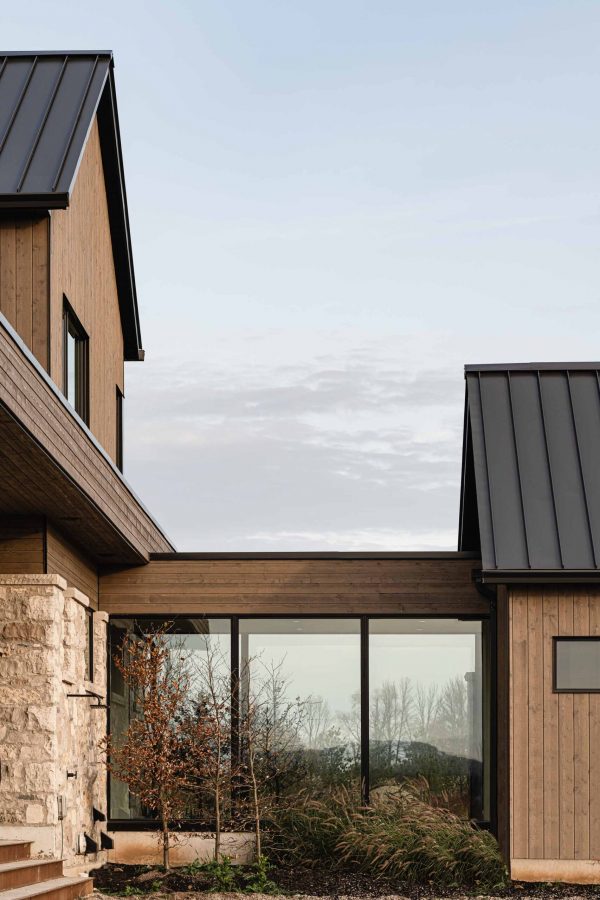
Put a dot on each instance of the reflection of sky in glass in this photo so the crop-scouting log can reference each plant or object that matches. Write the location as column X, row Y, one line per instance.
column 317, row 665
column 425, row 658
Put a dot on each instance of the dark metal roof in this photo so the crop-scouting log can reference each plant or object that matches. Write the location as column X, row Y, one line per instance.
column 531, row 467
column 47, row 106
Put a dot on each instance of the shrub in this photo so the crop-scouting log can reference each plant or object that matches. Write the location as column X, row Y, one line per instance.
column 401, row 836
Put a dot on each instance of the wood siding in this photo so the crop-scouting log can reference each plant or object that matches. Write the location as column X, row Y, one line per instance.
column 63, row 558
column 555, row 779
column 22, row 545
column 24, row 281
column 50, row 465
column 82, row 269
column 284, row 586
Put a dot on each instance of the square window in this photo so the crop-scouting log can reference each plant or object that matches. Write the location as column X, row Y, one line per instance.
column 577, row 664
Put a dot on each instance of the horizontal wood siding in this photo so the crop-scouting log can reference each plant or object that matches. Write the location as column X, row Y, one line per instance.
column 78, row 480
column 555, row 779
column 21, row 545
column 82, row 269
column 24, row 281
column 63, row 558
column 260, row 586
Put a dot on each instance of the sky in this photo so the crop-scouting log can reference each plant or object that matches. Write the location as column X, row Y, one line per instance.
column 334, row 207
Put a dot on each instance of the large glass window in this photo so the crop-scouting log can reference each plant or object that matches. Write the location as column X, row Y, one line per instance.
column 204, row 642
column 302, row 677
column 364, row 703
column 426, row 715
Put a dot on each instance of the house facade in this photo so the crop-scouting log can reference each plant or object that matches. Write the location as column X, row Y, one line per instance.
column 478, row 669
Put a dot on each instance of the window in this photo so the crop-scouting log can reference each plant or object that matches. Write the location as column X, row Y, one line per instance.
column 89, row 645
column 577, row 664
column 357, row 701
column 426, row 709
column 119, row 420
column 196, row 637
column 75, row 363
column 303, row 676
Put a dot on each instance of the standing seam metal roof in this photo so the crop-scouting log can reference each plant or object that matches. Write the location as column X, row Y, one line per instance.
column 532, row 466
column 47, row 106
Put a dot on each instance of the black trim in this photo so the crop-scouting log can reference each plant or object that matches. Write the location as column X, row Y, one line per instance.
column 321, row 554
column 590, row 638
column 119, row 428
column 364, row 620
column 73, row 328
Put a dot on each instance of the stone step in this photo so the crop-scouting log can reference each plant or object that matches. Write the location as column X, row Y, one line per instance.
column 28, row 871
column 62, row 888
column 12, row 851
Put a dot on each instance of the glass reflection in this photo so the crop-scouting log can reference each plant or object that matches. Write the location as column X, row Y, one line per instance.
column 205, row 645
column 425, row 712
column 301, row 677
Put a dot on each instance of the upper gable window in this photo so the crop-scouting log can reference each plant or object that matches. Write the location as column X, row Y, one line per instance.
column 75, row 362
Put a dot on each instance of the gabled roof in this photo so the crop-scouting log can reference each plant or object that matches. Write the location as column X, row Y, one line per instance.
column 47, row 106
column 530, row 496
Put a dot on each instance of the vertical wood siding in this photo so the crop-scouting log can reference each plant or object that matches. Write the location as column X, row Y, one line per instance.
column 24, row 281
column 82, row 269
column 554, row 738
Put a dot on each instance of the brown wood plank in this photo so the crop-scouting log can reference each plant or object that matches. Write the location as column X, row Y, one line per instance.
column 549, row 619
column 520, row 725
column 535, row 737
column 82, row 269
column 581, row 740
column 24, row 282
column 21, row 545
column 566, row 747
column 594, row 611
column 63, row 558
column 8, row 271
column 40, row 291
column 503, row 724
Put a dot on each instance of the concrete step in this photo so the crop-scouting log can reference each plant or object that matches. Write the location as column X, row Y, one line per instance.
column 12, row 851
column 62, row 888
column 28, row 871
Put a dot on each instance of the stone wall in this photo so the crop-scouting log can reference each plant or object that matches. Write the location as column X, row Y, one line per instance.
column 51, row 769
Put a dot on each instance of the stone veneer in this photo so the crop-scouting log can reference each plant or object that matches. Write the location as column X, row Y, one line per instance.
column 48, row 740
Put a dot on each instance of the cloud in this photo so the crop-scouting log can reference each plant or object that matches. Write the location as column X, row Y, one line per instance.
column 340, row 451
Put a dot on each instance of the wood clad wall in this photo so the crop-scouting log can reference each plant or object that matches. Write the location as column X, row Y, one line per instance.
column 82, row 269
column 24, row 281
column 63, row 558
column 288, row 586
column 554, row 738
column 22, row 545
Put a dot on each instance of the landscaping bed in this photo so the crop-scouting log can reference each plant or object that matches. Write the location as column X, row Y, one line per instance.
column 190, row 881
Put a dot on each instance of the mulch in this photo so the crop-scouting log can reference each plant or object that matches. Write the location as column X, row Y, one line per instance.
column 310, row 884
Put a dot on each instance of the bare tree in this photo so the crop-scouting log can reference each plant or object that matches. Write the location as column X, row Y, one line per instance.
column 270, row 724
column 425, row 710
column 391, row 711
column 212, row 758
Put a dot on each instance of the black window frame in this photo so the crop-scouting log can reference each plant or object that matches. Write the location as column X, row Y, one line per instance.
column 486, row 824
column 573, row 638
column 72, row 327
column 90, row 644
column 119, row 429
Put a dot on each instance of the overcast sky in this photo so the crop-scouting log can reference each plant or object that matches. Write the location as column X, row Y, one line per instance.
column 335, row 205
